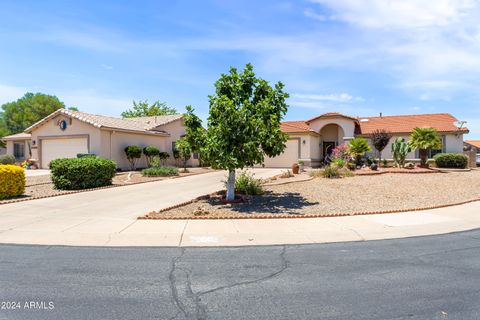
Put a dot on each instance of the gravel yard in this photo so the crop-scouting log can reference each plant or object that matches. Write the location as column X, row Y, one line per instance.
column 42, row 186
column 352, row 195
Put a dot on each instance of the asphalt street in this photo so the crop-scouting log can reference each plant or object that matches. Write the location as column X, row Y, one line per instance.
column 435, row 277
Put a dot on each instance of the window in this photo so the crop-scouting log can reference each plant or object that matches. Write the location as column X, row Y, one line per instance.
column 19, row 150
column 437, row 151
column 174, row 146
column 195, row 155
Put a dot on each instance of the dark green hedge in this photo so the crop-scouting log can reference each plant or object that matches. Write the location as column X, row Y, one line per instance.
column 162, row 171
column 451, row 160
column 82, row 173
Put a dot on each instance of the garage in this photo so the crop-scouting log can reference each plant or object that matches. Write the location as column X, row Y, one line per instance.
column 55, row 148
column 287, row 158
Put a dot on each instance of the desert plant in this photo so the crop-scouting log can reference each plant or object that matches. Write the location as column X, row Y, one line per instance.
column 425, row 139
column 12, row 181
column 7, row 159
column 331, row 171
column 357, row 148
column 451, row 160
column 150, row 152
column 339, row 162
column 380, row 139
column 247, row 184
column 133, row 153
column 163, row 157
column 160, row 171
column 400, row 150
column 385, row 163
column 82, row 173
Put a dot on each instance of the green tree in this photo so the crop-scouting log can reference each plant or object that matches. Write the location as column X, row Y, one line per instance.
column 244, row 123
column 143, row 109
column 32, row 107
column 425, row 139
column 184, row 151
column 194, row 132
column 133, row 153
column 358, row 147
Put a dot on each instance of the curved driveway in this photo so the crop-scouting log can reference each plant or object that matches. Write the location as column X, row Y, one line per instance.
column 434, row 277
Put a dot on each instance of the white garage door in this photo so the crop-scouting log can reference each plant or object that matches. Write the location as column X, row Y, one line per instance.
column 287, row 158
column 62, row 148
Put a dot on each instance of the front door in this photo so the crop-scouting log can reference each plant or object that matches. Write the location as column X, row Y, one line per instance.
column 328, row 147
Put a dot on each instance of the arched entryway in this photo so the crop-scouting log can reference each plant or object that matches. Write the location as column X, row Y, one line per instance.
column 331, row 135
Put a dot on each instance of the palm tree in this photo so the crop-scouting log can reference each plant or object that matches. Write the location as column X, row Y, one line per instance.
column 358, row 147
column 425, row 139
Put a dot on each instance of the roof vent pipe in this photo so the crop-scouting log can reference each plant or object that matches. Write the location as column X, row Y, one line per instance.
column 381, row 114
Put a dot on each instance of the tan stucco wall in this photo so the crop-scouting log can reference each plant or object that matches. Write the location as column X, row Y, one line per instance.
column 347, row 125
column 176, row 130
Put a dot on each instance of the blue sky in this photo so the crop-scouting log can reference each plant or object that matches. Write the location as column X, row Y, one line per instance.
column 350, row 56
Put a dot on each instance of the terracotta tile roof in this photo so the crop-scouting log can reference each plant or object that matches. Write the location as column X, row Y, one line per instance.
column 142, row 125
column 475, row 143
column 331, row 115
column 295, row 127
column 18, row 136
column 443, row 122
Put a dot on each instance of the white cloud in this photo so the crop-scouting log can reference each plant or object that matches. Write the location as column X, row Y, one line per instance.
column 309, row 12
column 333, row 97
column 106, row 67
column 399, row 13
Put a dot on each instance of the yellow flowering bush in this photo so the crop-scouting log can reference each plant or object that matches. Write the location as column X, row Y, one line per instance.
column 12, row 181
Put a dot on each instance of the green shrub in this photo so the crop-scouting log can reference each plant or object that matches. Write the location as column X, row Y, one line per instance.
column 160, row 171
column 247, row 184
column 7, row 159
column 133, row 153
column 150, row 152
column 82, row 173
column 331, row 171
column 163, row 157
column 12, row 181
column 451, row 160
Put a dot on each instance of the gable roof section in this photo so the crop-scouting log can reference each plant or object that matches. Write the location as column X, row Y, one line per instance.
column 331, row 115
column 442, row 122
column 18, row 136
column 145, row 125
column 295, row 127
column 475, row 143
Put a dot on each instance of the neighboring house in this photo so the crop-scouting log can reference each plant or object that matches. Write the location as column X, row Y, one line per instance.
column 19, row 145
column 472, row 145
column 66, row 133
column 313, row 139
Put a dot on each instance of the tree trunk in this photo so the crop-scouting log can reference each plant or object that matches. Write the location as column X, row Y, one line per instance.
column 423, row 157
column 231, row 185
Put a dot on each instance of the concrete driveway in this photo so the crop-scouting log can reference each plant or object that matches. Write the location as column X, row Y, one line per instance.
column 36, row 173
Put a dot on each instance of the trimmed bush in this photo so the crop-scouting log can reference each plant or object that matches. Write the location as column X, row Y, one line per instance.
column 331, row 172
column 451, row 160
column 12, row 181
column 7, row 159
column 162, row 171
column 83, row 155
column 248, row 185
column 82, row 173
column 150, row 152
column 133, row 153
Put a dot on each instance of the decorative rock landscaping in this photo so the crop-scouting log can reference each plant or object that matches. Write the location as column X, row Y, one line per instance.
column 347, row 196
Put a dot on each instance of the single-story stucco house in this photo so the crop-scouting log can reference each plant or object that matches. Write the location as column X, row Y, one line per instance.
column 66, row 133
column 313, row 139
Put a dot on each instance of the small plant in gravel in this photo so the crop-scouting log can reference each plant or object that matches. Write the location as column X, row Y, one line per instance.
column 331, row 171
column 247, row 184
column 161, row 171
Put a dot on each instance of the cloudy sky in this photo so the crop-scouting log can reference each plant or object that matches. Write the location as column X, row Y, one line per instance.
column 359, row 57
